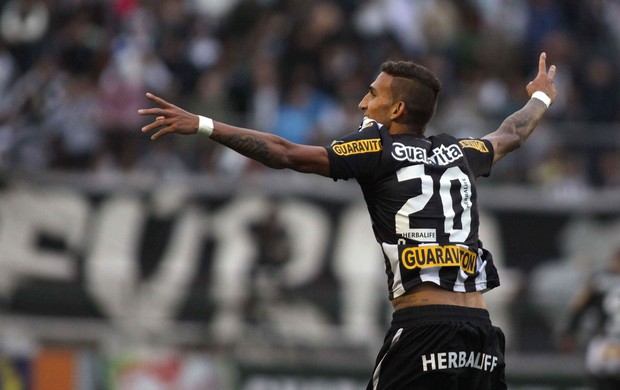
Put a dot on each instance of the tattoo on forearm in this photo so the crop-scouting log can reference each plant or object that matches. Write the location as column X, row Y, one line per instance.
column 525, row 120
column 250, row 146
column 517, row 128
column 528, row 118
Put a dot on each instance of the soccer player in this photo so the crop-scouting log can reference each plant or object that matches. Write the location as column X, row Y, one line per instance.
column 601, row 297
column 421, row 195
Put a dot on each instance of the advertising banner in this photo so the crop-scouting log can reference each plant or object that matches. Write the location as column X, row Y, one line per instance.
column 285, row 264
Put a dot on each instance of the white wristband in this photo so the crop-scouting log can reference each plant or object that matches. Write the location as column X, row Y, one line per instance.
column 540, row 95
column 205, row 126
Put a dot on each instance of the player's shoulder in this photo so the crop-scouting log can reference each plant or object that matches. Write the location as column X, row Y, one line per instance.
column 477, row 144
column 366, row 140
column 369, row 126
column 442, row 138
column 368, row 129
column 465, row 143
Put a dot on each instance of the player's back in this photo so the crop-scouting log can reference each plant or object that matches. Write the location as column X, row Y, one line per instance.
column 421, row 196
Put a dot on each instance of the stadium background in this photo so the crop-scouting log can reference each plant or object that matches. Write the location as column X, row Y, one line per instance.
column 128, row 264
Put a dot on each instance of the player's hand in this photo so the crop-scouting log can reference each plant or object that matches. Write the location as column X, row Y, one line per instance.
column 168, row 118
column 544, row 79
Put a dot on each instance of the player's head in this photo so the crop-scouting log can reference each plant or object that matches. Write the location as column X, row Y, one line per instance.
column 417, row 87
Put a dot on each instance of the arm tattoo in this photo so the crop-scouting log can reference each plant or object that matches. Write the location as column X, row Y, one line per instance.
column 523, row 122
column 526, row 119
column 250, row 146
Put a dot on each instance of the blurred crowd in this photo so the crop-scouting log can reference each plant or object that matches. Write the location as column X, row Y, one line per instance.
column 73, row 73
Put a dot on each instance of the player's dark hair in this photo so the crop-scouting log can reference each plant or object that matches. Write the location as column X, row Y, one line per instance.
column 417, row 87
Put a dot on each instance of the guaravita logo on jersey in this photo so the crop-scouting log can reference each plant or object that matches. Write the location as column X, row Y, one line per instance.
column 477, row 144
column 413, row 154
column 414, row 257
column 442, row 155
column 357, row 147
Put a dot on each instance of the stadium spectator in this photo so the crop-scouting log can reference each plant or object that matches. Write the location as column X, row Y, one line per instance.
column 599, row 301
column 23, row 25
column 480, row 48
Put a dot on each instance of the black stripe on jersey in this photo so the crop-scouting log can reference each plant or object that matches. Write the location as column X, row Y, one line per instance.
column 457, row 199
column 470, row 282
column 448, row 277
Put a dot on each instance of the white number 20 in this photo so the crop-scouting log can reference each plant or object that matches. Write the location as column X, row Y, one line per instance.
column 419, row 202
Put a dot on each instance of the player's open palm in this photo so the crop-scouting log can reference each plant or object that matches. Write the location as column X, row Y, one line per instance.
column 168, row 118
column 544, row 79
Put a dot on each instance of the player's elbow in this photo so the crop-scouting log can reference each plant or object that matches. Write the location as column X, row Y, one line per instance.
column 287, row 158
column 511, row 135
column 273, row 152
column 304, row 159
column 514, row 143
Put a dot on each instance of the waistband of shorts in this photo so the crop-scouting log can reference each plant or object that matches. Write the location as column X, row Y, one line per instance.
column 437, row 313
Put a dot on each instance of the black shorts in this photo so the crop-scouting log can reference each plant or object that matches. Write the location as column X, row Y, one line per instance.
column 441, row 347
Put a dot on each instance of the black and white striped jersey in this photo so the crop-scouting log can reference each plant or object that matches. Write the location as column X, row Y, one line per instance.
column 605, row 302
column 421, row 195
column 599, row 315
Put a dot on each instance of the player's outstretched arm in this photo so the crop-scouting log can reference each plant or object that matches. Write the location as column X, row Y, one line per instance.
column 517, row 127
column 268, row 149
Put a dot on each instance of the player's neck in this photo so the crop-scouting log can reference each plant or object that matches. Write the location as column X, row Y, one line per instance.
column 398, row 128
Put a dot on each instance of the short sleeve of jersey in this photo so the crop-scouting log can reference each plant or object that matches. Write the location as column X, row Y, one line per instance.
column 357, row 155
column 479, row 154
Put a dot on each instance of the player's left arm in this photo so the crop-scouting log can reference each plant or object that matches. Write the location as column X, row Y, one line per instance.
column 517, row 127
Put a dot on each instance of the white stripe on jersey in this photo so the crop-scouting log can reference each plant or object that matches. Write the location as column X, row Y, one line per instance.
column 430, row 275
column 375, row 375
column 461, row 277
column 481, row 280
column 459, row 285
column 391, row 252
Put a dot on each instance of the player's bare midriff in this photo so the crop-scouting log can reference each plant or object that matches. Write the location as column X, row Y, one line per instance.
column 431, row 294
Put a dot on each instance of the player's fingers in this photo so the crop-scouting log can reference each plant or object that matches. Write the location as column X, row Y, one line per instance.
column 156, row 99
column 162, row 132
column 542, row 63
column 551, row 73
column 159, row 122
column 150, row 127
column 160, row 112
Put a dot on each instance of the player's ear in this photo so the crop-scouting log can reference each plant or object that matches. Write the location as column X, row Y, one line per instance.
column 399, row 109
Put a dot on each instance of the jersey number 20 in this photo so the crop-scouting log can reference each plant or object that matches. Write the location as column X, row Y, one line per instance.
column 420, row 201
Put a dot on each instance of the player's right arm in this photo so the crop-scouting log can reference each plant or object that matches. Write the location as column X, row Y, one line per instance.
column 517, row 127
column 268, row 149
